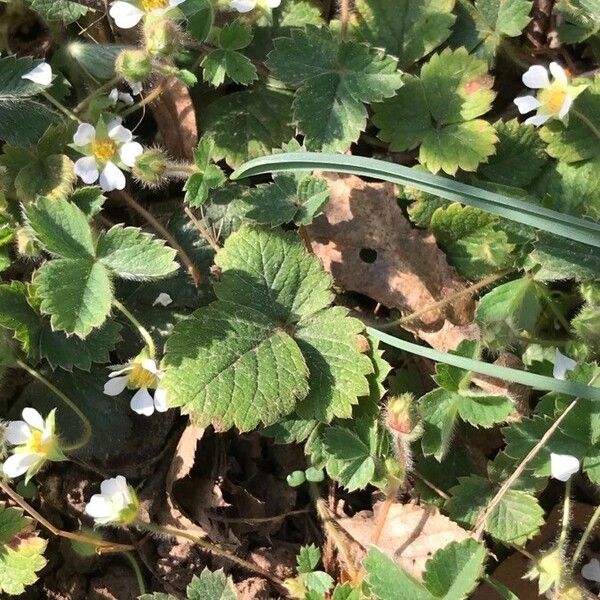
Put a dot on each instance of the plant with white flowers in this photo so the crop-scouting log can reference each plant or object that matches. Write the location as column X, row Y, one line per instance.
column 116, row 504
column 108, row 148
column 34, row 443
column 128, row 14
column 141, row 374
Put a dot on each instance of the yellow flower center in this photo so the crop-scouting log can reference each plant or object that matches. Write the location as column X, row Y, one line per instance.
column 142, row 378
column 553, row 98
column 103, row 149
column 150, row 5
column 36, row 445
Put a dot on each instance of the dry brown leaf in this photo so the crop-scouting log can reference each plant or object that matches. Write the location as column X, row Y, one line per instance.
column 176, row 119
column 412, row 534
column 408, row 272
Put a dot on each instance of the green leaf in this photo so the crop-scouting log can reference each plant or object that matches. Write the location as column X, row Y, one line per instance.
column 318, row 582
column 564, row 259
column 507, row 166
column 234, row 36
column 308, row 558
column 52, row 177
column 517, row 517
column 496, row 19
column 89, row 199
column 248, row 124
column 208, row 177
column 387, row 581
column 516, row 302
column 270, row 271
column 438, row 110
column 220, row 64
column 200, row 16
column 59, row 10
column 98, row 60
column 21, row 551
column 453, row 571
column 133, row 254
column 408, row 30
column 234, row 366
column 333, row 79
column 76, row 293
column 211, row 585
column 61, row 228
column 580, row 20
column 570, row 141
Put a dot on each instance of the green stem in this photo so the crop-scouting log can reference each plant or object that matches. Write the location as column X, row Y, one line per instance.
column 586, row 534
column 87, row 427
column 145, row 335
column 103, row 88
column 587, row 121
column 153, row 95
column 564, row 528
column 63, row 109
column 209, row 547
column 137, row 571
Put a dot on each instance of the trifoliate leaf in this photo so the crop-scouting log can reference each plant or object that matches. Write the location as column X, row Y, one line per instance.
column 569, row 141
column 333, row 79
column 62, row 228
column 516, row 303
column 248, row 124
column 287, row 199
column 211, row 585
column 564, row 259
column 387, row 581
column 231, row 365
column 517, row 517
column 580, row 20
column 507, row 166
column 134, row 254
column 59, row 10
column 438, row 110
column 270, row 271
column 76, row 293
column 407, row 30
column 453, row 571
column 208, row 177
column 496, row 19
column 471, row 240
column 21, row 551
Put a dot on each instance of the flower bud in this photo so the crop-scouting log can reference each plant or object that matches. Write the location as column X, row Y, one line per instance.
column 547, row 569
column 150, row 167
column 26, row 243
column 161, row 36
column 590, row 290
column 134, row 65
column 401, row 415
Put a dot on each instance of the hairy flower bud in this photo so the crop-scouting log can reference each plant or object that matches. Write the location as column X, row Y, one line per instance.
column 150, row 167
column 134, row 65
column 162, row 36
column 547, row 569
column 26, row 243
column 401, row 415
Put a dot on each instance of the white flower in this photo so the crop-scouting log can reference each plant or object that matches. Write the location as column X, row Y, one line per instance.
column 128, row 14
column 562, row 466
column 116, row 96
column 41, row 74
column 591, row 570
column 116, row 503
column 554, row 98
column 562, row 364
column 34, row 442
column 141, row 375
column 244, row 6
column 136, row 87
column 163, row 299
column 106, row 148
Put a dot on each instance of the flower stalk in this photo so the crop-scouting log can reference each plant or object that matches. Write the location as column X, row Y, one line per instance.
column 144, row 333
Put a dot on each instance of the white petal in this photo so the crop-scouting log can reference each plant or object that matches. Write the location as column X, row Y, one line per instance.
column 122, row 485
column 87, row 169
column 117, row 132
column 113, row 96
column 85, row 134
column 591, row 570
column 536, row 77
column 41, row 74
column 537, row 120
column 113, row 387
column 273, row 3
column 562, row 466
column 17, row 464
column 142, row 403
column 150, row 365
column 163, row 299
column 136, row 87
column 99, row 507
column 558, row 73
column 112, row 178
column 109, row 487
column 160, row 400
column 129, row 152
column 526, row 104
column 120, row 369
column 126, row 98
column 173, row 3
column 33, row 418
column 17, row 432
column 566, row 107
column 243, row 6
column 562, row 364
column 126, row 15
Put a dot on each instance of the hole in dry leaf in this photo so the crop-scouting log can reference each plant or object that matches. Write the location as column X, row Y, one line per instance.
column 368, row 255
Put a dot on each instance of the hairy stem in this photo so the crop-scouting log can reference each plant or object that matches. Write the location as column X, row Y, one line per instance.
column 153, row 95
column 344, row 17
column 135, row 567
column 587, row 121
column 203, row 230
column 97, row 92
column 149, row 217
column 584, row 538
column 144, row 333
column 63, row 109
column 87, row 427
